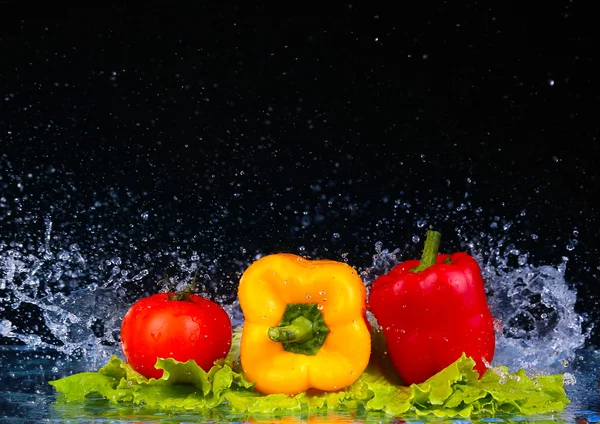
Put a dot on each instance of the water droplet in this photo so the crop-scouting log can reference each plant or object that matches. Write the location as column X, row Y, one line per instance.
column 569, row 379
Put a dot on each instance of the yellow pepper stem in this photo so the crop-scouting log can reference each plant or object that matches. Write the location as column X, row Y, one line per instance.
column 300, row 329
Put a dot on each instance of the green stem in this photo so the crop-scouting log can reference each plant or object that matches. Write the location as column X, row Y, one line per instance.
column 302, row 329
column 430, row 251
column 298, row 330
column 186, row 292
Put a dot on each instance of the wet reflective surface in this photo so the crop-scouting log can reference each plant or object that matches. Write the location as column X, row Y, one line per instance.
column 27, row 398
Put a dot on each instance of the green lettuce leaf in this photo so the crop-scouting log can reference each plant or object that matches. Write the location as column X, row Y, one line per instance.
column 455, row 391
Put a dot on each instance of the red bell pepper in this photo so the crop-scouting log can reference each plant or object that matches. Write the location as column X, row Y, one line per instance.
column 433, row 310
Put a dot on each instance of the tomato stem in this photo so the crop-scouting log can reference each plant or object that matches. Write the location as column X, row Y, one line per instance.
column 186, row 292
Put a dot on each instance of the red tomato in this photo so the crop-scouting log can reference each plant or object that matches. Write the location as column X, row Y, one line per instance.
column 158, row 327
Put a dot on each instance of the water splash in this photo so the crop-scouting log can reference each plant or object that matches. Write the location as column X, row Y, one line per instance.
column 43, row 306
column 534, row 306
column 45, row 302
column 72, row 261
column 536, row 309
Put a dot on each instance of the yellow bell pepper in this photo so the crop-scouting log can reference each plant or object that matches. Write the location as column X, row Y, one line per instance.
column 305, row 324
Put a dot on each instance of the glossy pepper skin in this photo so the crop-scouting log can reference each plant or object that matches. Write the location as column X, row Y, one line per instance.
column 433, row 310
column 331, row 289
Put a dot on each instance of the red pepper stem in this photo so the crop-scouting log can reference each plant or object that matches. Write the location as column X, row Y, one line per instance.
column 430, row 251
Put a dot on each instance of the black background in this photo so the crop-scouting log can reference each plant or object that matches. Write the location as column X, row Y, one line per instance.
column 228, row 123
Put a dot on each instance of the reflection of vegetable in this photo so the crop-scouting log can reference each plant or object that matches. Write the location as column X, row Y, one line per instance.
column 304, row 324
column 432, row 311
column 330, row 417
column 181, row 326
